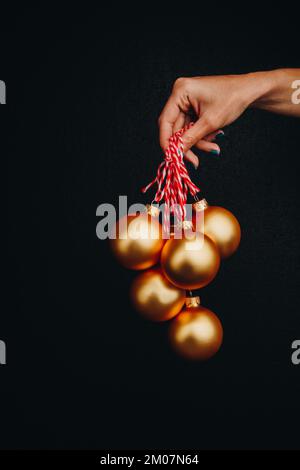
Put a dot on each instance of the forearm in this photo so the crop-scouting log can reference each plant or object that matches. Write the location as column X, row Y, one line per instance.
column 275, row 91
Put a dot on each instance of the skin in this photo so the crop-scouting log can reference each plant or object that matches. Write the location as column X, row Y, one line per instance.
column 216, row 101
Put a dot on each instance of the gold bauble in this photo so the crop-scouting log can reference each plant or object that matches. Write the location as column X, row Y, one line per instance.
column 220, row 225
column 138, row 241
column 191, row 262
column 155, row 297
column 196, row 333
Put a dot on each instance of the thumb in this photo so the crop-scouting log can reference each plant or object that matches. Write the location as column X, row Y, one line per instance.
column 200, row 129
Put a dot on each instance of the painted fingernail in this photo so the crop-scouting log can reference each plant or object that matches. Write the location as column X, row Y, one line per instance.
column 215, row 152
column 220, row 134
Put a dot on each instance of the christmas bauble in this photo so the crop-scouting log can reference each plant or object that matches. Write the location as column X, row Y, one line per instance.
column 155, row 297
column 196, row 333
column 220, row 225
column 138, row 241
column 191, row 262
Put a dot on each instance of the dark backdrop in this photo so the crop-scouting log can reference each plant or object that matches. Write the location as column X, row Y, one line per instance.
column 84, row 91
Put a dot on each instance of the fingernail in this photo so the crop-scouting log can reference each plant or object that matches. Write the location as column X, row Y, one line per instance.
column 220, row 134
column 215, row 152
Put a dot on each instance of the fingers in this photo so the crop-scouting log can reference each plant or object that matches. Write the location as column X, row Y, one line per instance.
column 192, row 157
column 200, row 129
column 213, row 135
column 200, row 135
column 180, row 122
column 187, row 119
column 167, row 120
column 208, row 147
column 204, row 144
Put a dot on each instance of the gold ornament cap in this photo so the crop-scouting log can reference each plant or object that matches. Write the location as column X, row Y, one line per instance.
column 192, row 301
column 200, row 205
column 152, row 210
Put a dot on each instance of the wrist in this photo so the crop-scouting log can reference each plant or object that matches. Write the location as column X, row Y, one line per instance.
column 260, row 86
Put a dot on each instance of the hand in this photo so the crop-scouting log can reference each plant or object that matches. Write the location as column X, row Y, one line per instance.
column 217, row 101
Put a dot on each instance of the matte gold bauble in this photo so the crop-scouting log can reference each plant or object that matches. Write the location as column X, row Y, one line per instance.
column 191, row 262
column 155, row 297
column 220, row 225
column 138, row 241
column 196, row 333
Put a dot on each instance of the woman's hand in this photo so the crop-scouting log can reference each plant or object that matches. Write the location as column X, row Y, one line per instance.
column 217, row 101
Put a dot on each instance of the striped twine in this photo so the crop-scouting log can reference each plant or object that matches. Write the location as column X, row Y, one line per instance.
column 173, row 181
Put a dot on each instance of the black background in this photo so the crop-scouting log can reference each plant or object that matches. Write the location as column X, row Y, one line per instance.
column 84, row 91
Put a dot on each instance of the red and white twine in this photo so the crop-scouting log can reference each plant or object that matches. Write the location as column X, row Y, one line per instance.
column 173, row 181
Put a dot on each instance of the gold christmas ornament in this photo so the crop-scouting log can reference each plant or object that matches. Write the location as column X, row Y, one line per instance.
column 155, row 297
column 196, row 333
column 138, row 241
column 191, row 262
column 220, row 225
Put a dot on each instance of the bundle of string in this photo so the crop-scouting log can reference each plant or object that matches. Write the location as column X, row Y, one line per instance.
column 173, row 181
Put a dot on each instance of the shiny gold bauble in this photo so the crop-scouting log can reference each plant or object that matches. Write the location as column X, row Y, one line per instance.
column 155, row 297
column 138, row 241
column 220, row 225
column 196, row 333
column 191, row 262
